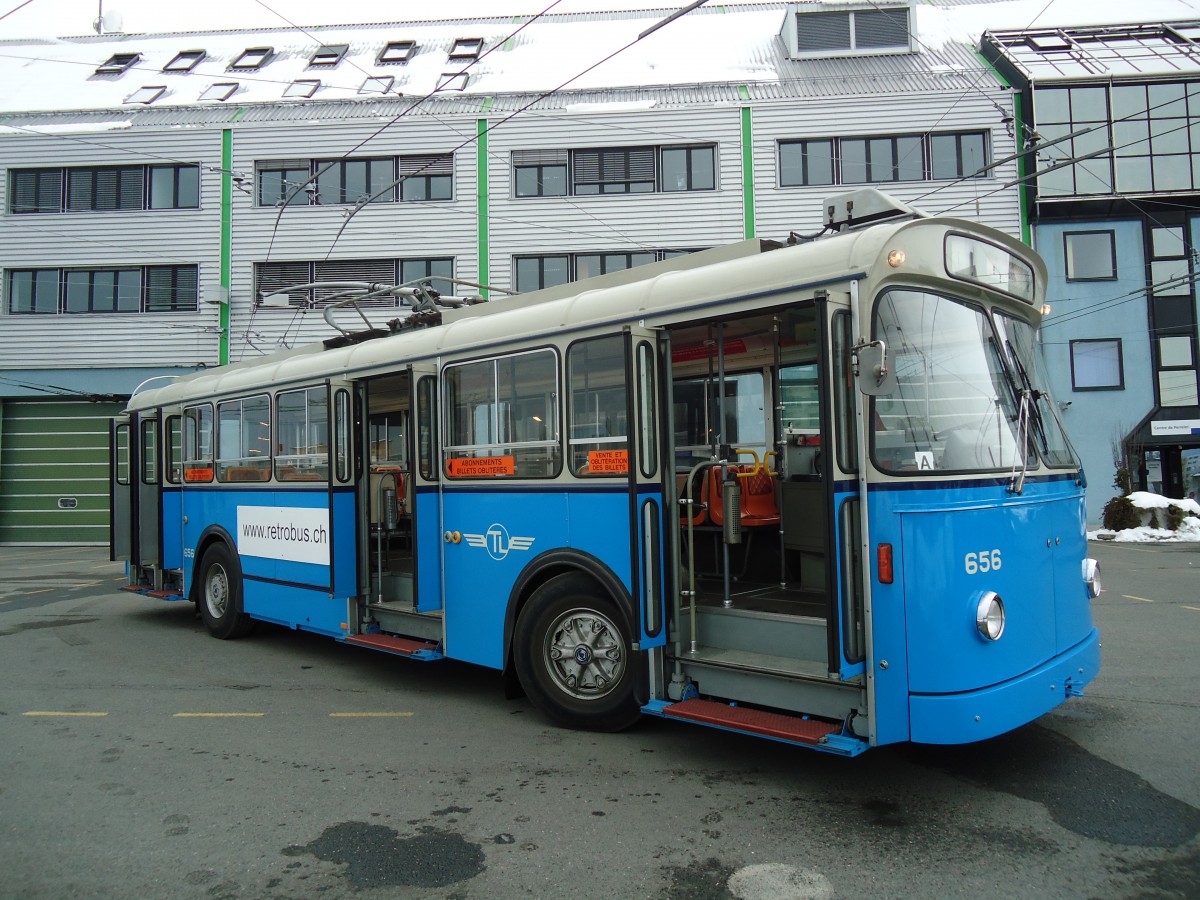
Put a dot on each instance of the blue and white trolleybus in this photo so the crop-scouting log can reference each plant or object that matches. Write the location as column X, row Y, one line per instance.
column 817, row 493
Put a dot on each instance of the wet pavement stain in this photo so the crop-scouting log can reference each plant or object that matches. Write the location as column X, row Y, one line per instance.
column 61, row 622
column 1081, row 792
column 376, row 856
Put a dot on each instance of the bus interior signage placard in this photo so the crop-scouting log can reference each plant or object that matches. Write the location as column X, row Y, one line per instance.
column 481, row 466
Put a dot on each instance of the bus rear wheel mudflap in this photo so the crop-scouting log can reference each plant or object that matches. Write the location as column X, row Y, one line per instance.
column 572, row 654
column 220, row 594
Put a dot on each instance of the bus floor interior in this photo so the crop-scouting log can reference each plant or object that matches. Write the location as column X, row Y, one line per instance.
column 757, row 582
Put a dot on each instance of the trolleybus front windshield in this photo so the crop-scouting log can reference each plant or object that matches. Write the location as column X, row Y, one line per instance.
column 1020, row 344
column 956, row 403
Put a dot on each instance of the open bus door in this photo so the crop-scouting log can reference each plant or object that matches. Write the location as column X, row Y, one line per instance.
column 147, row 474
column 121, row 488
column 645, row 366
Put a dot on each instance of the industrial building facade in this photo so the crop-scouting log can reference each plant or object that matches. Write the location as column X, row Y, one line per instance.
column 161, row 190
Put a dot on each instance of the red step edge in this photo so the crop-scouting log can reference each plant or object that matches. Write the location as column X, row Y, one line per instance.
column 165, row 595
column 755, row 721
column 135, row 588
column 403, row 646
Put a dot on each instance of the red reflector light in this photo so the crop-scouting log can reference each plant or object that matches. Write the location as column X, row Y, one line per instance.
column 883, row 563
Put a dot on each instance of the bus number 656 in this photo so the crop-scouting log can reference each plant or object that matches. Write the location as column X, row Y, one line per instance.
column 983, row 561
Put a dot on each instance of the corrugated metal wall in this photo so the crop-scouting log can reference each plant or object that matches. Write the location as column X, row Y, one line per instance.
column 54, row 471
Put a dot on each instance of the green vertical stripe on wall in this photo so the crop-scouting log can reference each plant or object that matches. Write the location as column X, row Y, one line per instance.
column 481, row 150
column 1022, row 167
column 226, row 238
column 747, row 169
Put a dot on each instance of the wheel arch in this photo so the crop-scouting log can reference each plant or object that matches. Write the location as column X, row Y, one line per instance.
column 213, row 534
column 550, row 565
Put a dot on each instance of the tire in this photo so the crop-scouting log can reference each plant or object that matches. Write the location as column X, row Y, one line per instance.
column 219, row 594
column 572, row 653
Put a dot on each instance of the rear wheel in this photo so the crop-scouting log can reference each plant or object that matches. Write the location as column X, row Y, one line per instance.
column 572, row 654
column 220, row 594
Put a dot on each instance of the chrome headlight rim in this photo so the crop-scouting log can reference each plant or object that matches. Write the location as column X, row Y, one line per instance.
column 1091, row 577
column 990, row 618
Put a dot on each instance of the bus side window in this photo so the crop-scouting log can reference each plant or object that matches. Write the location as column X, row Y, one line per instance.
column 427, row 427
column 122, row 454
column 198, row 444
column 302, row 435
column 174, row 434
column 342, row 424
column 598, row 441
column 149, row 451
column 244, row 439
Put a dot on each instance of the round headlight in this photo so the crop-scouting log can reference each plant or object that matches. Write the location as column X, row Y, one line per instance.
column 989, row 616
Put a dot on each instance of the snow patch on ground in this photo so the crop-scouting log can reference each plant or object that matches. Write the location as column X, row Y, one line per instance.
column 1188, row 531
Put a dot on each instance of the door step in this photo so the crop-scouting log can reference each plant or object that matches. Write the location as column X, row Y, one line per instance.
column 779, row 726
column 425, row 651
column 166, row 595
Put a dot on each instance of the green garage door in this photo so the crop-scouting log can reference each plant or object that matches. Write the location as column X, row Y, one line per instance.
column 54, row 471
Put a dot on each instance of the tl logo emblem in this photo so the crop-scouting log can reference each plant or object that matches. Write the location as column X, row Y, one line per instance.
column 497, row 541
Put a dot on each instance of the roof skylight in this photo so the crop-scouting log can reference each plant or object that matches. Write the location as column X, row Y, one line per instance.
column 377, row 84
column 302, row 87
column 328, row 55
column 118, row 63
column 221, row 90
column 252, row 58
column 397, row 53
column 453, row 81
column 466, row 48
column 185, row 61
column 147, row 94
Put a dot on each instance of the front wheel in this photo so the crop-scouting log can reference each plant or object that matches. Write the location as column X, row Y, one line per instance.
column 573, row 657
column 220, row 590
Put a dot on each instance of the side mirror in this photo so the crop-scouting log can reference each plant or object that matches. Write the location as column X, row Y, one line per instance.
column 875, row 376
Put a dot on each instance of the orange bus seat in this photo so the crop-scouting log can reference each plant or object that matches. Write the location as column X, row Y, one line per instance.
column 759, row 504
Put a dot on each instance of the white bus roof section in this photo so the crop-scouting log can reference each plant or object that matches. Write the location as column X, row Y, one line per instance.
column 658, row 299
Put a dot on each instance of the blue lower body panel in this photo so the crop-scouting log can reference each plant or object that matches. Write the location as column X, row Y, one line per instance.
column 976, row 715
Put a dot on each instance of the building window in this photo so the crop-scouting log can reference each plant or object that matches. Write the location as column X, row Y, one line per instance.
column 328, row 55
column 876, row 160
column 540, row 173
column 103, row 290
column 1097, row 365
column 1090, row 255
column 856, row 31
column 1173, row 313
column 453, row 81
column 426, row 177
column 302, row 182
column 283, row 182
column 397, row 53
column 185, row 61
column 174, row 187
column 221, row 90
column 252, row 58
column 627, row 170
column 689, row 168
column 466, row 49
column 104, row 188
column 147, row 94
column 430, row 271
column 35, row 190
column 377, row 84
column 276, row 278
column 356, row 180
column 533, row 273
column 118, row 63
column 302, row 88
